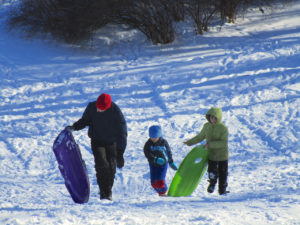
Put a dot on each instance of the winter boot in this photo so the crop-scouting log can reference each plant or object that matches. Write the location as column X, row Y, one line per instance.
column 212, row 182
column 222, row 189
column 107, row 197
column 106, row 194
column 211, row 187
column 163, row 194
column 222, row 192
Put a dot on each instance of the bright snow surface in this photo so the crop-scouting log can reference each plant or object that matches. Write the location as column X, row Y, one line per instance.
column 250, row 69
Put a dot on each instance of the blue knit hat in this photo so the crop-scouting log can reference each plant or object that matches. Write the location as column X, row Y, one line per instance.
column 155, row 132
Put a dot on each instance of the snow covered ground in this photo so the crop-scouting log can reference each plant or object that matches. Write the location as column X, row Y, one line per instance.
column 250, row 69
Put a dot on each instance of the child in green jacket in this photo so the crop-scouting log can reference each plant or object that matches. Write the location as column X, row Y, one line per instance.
column 216, row 135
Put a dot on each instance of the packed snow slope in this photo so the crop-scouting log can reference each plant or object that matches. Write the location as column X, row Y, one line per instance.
column 250, row 69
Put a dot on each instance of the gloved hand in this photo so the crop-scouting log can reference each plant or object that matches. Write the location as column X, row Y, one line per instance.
column 173, row 166
column 120, row 161
column 159, row 161
column 69, row 128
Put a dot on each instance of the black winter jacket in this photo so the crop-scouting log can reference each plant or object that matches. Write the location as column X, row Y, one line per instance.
column 106, row 127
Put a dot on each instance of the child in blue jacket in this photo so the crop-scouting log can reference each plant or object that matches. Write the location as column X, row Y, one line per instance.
column 159, row 155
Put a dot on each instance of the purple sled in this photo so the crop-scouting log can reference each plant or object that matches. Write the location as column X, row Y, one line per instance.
column 72, row 166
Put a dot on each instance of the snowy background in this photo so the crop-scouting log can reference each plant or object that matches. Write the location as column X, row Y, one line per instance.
column 250, row 69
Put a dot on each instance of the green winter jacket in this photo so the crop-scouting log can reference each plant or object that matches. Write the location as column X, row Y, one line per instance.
column 216, row 136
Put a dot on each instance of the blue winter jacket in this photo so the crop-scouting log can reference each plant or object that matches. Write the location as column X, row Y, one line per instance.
column 160, row 149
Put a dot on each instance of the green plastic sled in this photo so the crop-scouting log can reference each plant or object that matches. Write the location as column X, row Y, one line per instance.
column 189, row 173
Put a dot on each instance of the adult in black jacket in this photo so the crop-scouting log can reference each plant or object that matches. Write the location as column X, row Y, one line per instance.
column 108, row 133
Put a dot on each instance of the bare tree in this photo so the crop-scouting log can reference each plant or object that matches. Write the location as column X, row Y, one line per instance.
column 176, row 8
column 151, row 17
column 228, row 9
column 202, row 12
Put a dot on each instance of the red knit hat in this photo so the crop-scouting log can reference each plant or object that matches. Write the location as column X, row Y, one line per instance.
column 103, row 102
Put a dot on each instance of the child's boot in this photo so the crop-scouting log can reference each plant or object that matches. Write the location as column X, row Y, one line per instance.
column 212, row 182
column 222, row 189
column 211, row 188
column 162, row 195
column 223, row 182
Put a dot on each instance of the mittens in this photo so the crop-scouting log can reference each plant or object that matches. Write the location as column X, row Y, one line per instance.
column 69, row 128
column 120, row 161
column 159, row 161
column 173, row 166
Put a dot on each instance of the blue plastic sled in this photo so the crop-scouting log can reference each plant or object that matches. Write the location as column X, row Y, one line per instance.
column 72, row 166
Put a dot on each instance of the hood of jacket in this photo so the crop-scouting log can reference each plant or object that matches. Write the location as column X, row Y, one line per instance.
column 216, row 112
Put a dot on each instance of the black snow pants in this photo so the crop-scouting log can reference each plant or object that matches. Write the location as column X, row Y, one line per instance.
column 218, row 169
column 105, row 165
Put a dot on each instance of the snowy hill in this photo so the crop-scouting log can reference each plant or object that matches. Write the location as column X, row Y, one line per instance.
column 250, row 69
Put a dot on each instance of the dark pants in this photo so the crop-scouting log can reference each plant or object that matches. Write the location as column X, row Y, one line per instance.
column 218, row 169
column 105, row 166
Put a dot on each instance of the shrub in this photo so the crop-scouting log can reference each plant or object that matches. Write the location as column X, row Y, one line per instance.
column 71, row 21
column 151, row 17
column 228, row 9
column 202, row 12
column 75, row 21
